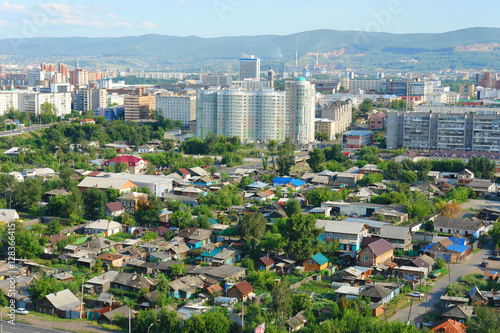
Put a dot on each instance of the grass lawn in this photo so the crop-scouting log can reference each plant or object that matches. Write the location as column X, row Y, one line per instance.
column 319, row 287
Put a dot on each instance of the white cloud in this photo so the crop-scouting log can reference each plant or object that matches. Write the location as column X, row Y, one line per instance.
column 148, row 25
column 4, row 23
column 5, row 6
column 58, row 9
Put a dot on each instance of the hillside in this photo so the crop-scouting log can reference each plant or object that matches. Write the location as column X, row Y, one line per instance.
column 190, row 50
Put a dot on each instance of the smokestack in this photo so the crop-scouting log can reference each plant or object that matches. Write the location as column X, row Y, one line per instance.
column 296, row 58
column 317, row 59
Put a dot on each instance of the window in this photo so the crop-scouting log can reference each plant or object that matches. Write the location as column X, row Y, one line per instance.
column 311, row 262
column 368, row 251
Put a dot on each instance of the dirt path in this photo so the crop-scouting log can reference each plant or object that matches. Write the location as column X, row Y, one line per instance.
column 71, row 326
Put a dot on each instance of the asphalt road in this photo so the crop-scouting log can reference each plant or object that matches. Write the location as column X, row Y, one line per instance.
column 24, row 130
column 26, row 328
column 471, row 265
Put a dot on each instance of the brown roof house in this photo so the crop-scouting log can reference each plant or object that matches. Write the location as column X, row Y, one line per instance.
column 62, row 303
column 114, row 209
column 113, row 260
column 376, row 253
column 449, row 326
column 264, row 264
column 241, row 291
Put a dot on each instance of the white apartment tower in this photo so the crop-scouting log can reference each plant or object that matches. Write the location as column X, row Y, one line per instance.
column 258, row 115
column 181, row 108
column 249, row 67
column 300, row 109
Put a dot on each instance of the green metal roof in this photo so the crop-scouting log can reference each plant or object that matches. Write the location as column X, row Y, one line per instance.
column 320, row 259
column 301, row 79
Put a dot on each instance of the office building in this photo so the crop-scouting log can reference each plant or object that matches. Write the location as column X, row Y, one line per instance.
column 110, row 113
column 139, row 107
column 487, row 80
column 357, row 139
column 217, row 79
column 181, row 108
column 252, row 84
column 446, row 128
column 89, row 99
column 249, row 67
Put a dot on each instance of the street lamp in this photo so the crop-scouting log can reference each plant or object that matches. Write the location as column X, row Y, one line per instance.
column 150, row 326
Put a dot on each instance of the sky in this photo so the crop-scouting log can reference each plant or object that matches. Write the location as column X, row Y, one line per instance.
column 218, row 18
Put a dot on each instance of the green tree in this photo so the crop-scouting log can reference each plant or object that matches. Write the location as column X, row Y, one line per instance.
column 121, row 167
column 148, row 211
column 248, row 264
column 292, row 207
column 212, row 170
column 178, row 269
column 94, row 203
column 316, row 159
column 97, row 266
column 127, row 219
column 301, row 236
column 54, row 227
column 112, row 194
column 245, row 181
column 47, row 113
column 252, row 225
column 224, row 176
column 366, row 106
column 281, row 303
column 44, row 286
column 271, row 145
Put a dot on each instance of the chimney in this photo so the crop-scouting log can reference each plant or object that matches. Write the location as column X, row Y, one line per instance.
column 64, row 274
column 104, row 277
column 20, row 291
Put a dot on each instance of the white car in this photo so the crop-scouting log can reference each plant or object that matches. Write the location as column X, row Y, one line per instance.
column 22, row 311
column 417, row 294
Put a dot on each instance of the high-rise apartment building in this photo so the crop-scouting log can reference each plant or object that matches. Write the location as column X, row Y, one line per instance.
column 48, row 67
column 340, row 113
column 258, row 115
column 8, row 100
column 79, row 77
column 300, row 109
column 181, row 108
column 486, row 80
column 31, row 102
column 35, row 76
column 89, row 99
column 249, row 67
column 446, row 128
column 139, row 107
column 63, row 70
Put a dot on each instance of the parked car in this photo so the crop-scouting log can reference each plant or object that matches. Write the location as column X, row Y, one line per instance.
column 434, row 275
column 417, row 294
column 494, row 258
column 22, row 311
column 484, row 264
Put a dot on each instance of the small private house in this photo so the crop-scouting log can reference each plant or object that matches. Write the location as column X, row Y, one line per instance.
column 349, row 235
column 8, row 215
column 378, row 294
column 281, row 181
column 449, row 249
column 62, row 304
column 131, row 201
column 103, row 183
column 398, row 236
column 465, row 176
column 112, row 260
column 185, row 286
column 135, row 165
column 460, row 226
column 376, row 253
column 241, row 291
column 264, row 264
column 103, row 226
column 449, row 326
column 316, row 263
column 114, row 209
column 483, row 187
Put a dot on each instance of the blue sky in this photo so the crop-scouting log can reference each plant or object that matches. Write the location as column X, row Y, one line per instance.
column 216, row 18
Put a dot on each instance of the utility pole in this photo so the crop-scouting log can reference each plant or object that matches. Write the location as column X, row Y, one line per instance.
column 81, row 303
column 409, row 312
column 242, row 315
column 129, row 321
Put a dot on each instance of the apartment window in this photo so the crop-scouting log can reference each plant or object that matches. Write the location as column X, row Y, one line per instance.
column 364, row 258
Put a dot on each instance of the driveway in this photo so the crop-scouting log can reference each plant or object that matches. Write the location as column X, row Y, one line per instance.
column 470, row 265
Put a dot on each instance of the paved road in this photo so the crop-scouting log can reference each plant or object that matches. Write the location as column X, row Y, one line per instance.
column 25, row 328
column 471, row 265
column 24, row 130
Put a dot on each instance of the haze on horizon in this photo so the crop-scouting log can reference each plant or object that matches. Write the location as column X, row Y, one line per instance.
column 219, row 18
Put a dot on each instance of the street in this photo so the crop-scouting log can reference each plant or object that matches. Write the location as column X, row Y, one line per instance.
column 471, row 265
column 23, row 130
column 25, row 328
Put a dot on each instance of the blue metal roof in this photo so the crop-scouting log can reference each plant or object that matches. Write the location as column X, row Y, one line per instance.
column 282, row 180
column 257, row 185
column 297, row 182
column 360, row 133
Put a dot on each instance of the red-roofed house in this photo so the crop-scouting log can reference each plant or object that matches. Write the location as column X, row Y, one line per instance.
column 114, row 209
column 449, row 326
column 87, row 121
column 264, row 264
column 184, row 173
column 135, row 164
column 241, row 291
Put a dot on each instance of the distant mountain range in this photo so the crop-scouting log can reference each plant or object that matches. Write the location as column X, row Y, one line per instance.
column 335, row 46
